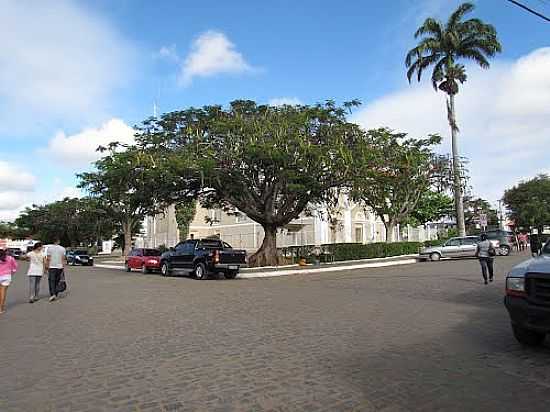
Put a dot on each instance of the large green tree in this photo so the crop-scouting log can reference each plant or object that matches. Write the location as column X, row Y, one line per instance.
column 443, row 45
column 129, row 183
column 394, row 180
column 431, row 207
column 268, row 162
column 528, row 203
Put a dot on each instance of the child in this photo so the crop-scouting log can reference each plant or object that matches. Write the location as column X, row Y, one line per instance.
column 8, row 266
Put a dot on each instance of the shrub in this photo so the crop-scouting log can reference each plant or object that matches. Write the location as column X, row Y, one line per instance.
column 351, row 251
column 162, row 248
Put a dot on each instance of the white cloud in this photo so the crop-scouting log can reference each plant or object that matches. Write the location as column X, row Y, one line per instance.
column 16, row 188
column 57, row 61
column 13, row 177
column 80, row 149
column 281, row 101
column 169, row 53
column 502, row 113
column 212, row 53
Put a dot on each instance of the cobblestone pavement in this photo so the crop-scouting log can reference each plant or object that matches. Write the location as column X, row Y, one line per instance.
column 424, row 337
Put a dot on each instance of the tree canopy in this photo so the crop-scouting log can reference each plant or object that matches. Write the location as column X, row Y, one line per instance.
column 528, row 202
column 392, row 174
column 130, row 184
column 73, row 221
column 268, row 162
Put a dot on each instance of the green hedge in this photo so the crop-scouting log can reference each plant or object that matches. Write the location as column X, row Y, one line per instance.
column 336, row 252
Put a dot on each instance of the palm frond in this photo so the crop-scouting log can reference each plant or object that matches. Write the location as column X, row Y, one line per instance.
column 430, row 26
column 458, row 14
column 475, row 55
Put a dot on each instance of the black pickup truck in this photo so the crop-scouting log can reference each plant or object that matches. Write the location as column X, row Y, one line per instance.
column 202, row 257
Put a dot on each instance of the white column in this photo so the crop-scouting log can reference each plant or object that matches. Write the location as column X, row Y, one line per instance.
column 347, row 225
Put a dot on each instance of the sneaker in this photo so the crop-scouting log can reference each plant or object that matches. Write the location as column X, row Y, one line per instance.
column 52, row 298
column 490, row 279
column 486, row 282
column 31, row 300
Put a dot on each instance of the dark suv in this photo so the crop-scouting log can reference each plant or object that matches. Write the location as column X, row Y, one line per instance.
column 528, row 298
column 507, row 240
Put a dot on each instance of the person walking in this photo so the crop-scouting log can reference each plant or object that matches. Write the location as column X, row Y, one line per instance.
column 8, row 266
column 55, row 262
column 37, row 268
column 486, row 253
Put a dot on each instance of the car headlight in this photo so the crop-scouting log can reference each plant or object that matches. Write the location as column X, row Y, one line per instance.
column 515, row 286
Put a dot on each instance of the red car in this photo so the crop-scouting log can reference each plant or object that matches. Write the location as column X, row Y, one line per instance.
column 147, row 260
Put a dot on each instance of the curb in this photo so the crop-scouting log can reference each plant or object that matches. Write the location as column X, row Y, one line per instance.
column 273, row 273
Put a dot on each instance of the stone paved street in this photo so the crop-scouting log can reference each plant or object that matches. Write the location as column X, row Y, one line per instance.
column 422, row 337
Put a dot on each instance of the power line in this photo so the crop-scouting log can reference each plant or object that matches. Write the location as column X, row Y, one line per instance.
column 524, row 7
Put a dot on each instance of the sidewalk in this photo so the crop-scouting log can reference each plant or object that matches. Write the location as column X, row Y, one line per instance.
column 251, row 273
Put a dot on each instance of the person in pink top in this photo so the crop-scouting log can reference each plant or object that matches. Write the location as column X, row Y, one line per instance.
column 8, row 266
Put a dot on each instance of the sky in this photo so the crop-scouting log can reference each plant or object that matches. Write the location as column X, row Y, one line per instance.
column 78, row 74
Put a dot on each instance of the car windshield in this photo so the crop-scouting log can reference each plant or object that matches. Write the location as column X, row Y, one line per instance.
column 151, row 252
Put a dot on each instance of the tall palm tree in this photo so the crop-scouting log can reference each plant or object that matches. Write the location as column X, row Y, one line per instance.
column 441, row 46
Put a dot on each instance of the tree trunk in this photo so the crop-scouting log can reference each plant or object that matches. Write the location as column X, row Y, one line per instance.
column 457, row 183
column 127, row 229
column 267, row 253
column 390, row 231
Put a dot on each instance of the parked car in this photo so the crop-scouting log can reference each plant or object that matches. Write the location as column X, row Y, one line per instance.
column 79, row 257
column 528, row 298
column 454, row 247
column 15, row 252
column 146, row 260
column 507, row 240
column 202, row 257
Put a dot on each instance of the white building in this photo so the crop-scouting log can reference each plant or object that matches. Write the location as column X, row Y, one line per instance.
column 352, row 224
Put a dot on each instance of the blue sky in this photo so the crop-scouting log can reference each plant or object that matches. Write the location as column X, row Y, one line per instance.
column 75, row 74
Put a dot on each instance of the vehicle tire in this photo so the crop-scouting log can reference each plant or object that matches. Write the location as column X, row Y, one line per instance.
column 434, row 257
column 165, row 269
column 231, row 274
column 127, row 267
column 145, row 270
column 91, row 264
column 200, row 271
column 504, row 250
column 528, row 337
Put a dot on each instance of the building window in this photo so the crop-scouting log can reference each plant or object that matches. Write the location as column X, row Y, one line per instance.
column 359, row 233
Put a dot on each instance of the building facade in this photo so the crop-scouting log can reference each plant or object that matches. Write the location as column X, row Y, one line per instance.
column 349, row 223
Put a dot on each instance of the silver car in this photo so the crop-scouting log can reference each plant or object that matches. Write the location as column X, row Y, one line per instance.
column 455, row 247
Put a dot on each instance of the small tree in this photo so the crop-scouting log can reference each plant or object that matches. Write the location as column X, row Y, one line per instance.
column 528, row 203
column 129, row 185
column 431, row 207
column 185, row 213
column 393, row 181
column 268, row 162
column 473, row 207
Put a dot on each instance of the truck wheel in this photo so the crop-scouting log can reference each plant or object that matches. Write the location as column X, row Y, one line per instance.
column 231, row 274
column 434, row 257
column 200, row 271
column 165, row 269
column 528, row 337
column 127, row 267
column 504, row 251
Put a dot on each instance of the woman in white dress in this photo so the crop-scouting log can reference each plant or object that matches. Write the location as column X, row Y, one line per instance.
column 37, row 268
